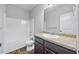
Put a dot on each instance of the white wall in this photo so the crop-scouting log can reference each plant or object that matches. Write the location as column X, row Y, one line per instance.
column 78, row 28
column 32, row 27
column 2, row 13
column 38, row 15
column 53, row 17
column 15, row 12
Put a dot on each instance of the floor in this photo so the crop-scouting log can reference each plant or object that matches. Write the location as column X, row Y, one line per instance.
column 21, row 51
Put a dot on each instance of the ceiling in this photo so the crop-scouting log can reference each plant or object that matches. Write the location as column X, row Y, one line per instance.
column 26, row 7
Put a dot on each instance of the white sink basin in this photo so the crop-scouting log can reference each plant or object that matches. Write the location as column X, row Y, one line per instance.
column 50, row 36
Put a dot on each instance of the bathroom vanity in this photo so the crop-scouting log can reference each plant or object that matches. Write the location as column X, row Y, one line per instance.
column 59, row 20
column 54, row 45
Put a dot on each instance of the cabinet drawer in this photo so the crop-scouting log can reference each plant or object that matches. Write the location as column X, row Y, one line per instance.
column 47, row 51
column 39, row 40
column 38, row 48
column 58, row 49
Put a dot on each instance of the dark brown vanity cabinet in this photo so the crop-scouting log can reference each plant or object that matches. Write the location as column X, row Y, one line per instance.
column 38, row 48
column 45, row 47
column 39, row 45
column 48, row 51
column 57, row 49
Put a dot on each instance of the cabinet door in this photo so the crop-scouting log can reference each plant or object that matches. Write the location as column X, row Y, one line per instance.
column 39, row 40
column 47, row 51
column 38, row 48
column 58, row 49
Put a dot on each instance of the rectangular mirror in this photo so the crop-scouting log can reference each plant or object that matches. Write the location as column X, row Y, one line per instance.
column 60, row 19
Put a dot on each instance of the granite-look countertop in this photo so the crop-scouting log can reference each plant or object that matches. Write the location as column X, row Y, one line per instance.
column 64, row 41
